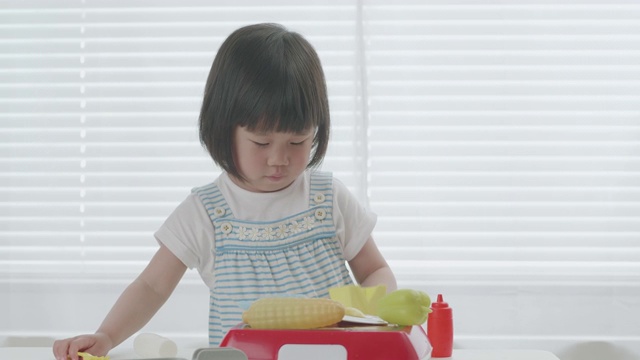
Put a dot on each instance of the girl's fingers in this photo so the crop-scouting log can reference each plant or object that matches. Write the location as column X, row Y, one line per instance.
column 69, row 348
column 78, row 344
column 61, row 349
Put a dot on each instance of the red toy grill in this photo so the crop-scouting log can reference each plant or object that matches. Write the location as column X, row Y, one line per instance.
column 335, row 343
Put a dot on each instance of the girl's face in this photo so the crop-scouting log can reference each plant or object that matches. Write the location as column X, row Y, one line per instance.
column 270, row 161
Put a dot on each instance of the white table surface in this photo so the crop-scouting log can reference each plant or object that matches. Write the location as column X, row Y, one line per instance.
column 45, row 353
column 470, row 354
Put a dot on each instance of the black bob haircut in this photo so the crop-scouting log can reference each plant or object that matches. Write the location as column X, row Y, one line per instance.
column 265, row 78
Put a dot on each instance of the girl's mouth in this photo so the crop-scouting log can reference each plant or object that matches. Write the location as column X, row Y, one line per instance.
column 276, row 177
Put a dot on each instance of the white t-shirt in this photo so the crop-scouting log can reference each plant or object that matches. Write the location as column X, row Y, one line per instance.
column 189, row 234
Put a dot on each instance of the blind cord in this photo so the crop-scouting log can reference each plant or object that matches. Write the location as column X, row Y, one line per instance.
column 362, row 106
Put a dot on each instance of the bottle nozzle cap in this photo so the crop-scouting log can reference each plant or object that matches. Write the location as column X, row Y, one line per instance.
column 439, row 304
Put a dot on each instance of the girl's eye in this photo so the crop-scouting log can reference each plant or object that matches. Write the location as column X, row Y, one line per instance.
column 260, row 144
column 301, row 142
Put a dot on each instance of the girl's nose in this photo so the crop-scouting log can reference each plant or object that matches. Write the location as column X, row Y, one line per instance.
column 278, row 157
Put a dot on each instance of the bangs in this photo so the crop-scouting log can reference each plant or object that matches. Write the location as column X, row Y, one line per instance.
column 279, row 116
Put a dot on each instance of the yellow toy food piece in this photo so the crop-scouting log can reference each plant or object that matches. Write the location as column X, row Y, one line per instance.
column 293, row 313
column 351, row 311
column 364, row 299
column 87, row 356
column 405, row 307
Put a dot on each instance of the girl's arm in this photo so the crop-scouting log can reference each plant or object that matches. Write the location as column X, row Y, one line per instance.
column 370, row 268
column 142, row 299
column 133, row 309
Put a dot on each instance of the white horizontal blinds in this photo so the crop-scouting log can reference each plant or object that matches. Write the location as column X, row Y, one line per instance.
column 99, row 103
column 504, row 141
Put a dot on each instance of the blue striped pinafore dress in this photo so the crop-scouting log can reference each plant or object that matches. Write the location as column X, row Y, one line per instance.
column 299, row 254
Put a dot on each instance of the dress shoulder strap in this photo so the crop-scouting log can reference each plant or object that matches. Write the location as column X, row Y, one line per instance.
column 213, row 201
column 321, row 188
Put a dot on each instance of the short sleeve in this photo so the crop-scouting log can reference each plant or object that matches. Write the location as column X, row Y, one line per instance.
column 188, row 233
column 354, row 223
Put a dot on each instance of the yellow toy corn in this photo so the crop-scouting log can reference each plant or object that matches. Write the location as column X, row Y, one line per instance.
column 293, row 313
column 87, row 356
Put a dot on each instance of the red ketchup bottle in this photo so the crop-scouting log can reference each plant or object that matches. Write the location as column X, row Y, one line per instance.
column 440, row 328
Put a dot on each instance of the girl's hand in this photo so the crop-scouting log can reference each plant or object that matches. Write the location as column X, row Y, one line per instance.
column 95, row 344
column 370, row 268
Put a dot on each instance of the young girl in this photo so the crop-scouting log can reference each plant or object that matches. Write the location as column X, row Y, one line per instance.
column 270, row 224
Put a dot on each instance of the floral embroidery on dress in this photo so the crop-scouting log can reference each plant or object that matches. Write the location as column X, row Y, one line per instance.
column 243, row 233
column 283, row 230
column 269, row 233
column 295, row 227
column 308, row 222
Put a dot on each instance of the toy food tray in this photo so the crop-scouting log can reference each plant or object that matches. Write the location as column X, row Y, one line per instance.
column 335, row 343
